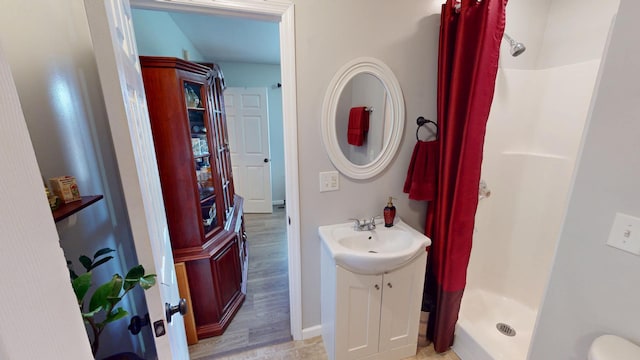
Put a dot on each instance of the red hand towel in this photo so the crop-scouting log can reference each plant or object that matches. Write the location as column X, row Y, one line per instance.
column 422, row 176
column 358, row 125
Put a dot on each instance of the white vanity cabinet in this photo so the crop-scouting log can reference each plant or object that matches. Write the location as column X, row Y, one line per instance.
column 371, row 316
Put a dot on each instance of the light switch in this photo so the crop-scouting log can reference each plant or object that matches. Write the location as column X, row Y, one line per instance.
column 625, row 233
column 329, row 181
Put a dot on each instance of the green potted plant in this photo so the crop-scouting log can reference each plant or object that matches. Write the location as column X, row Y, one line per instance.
column 101, row 308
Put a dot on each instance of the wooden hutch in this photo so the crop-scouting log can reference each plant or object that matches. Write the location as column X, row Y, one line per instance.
column 204, row 215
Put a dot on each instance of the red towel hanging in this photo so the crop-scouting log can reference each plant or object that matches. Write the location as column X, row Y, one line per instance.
column 358, row 125
column 421, row 181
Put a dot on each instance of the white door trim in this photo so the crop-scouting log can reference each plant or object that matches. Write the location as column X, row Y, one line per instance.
column 283, row 12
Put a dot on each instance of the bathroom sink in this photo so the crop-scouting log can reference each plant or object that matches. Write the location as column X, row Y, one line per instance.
column 374, row 251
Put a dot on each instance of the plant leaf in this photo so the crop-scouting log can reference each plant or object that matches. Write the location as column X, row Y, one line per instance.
column 113, row 300
column 91, row 313
column 100, row 262
column 99, row 298
column 147, row 281
column 86, row 262
column 133, row 277
column 118, row 314
column 81, row 285
column 101, row 252
column 116, row 280
column 114, row 297
column 103, row 292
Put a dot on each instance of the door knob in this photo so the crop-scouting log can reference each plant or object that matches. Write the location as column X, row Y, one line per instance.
column 136, row 324
column 170, row 310
column 266, row 160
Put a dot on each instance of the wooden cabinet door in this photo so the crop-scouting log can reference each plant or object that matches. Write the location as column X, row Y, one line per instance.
column 221, row 139
column 177, row 93
column 401, row 302
column 227, row 276
column 357, row 314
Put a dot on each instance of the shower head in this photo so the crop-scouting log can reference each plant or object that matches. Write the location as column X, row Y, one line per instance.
column 517, row 48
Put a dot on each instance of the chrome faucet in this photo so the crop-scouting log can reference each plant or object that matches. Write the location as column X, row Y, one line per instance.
column 364, row 224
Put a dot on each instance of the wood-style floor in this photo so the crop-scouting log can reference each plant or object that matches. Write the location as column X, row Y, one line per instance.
column 263, row 319
column 313, row 349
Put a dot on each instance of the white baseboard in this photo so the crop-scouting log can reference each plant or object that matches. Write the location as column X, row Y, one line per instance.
column 277, row 202
column 311, row 332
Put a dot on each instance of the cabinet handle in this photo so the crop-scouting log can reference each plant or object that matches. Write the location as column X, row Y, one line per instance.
column 389, row 285
column 377, row 286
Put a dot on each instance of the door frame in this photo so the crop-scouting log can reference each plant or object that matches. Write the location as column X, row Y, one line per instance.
column 283, row 13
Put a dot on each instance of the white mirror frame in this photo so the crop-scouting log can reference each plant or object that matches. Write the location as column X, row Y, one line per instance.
column 380, row 70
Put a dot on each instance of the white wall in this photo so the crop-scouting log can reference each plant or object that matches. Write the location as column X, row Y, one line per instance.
column 328, row 34
column 158, row 35
column 593, row 287
column 55, row 73
column 36, row 295
column 264, row 75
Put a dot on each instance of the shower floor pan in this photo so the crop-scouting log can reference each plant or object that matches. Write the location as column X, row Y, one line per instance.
column 493, row 327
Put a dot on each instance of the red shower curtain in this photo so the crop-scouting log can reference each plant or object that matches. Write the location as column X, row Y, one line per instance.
column 467, row 66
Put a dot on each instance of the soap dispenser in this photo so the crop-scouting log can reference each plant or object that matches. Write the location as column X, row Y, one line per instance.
column 389, row 213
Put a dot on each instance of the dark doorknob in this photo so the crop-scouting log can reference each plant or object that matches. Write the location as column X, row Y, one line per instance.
column 181, row 308
column 266, row 160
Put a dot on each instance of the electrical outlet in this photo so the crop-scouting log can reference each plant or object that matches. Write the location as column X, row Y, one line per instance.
column 329, row 181
column 625, row 233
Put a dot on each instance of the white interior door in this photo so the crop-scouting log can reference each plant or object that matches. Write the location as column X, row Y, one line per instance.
column 119, row 68
column 248, row 128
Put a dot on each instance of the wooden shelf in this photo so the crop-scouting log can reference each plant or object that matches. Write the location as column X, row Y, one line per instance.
column 66, row 210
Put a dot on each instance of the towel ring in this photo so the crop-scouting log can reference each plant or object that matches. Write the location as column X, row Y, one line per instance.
column 422, row 121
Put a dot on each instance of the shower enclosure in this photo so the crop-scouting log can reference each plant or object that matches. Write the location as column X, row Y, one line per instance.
column 540, row 107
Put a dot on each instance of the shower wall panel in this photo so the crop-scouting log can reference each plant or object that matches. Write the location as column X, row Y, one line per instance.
column 532, row 140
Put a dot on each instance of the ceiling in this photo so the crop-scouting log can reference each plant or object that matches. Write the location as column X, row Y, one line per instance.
column 231, row 39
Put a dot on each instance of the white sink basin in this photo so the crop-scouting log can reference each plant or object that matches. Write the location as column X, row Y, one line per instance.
column 375, row 251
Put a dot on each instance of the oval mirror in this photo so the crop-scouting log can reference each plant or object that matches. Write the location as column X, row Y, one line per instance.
column 362, row 118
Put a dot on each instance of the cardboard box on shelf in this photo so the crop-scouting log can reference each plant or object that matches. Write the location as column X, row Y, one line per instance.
column 66, row 188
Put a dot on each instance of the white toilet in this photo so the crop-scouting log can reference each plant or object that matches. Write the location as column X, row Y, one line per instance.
column 610, row 347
